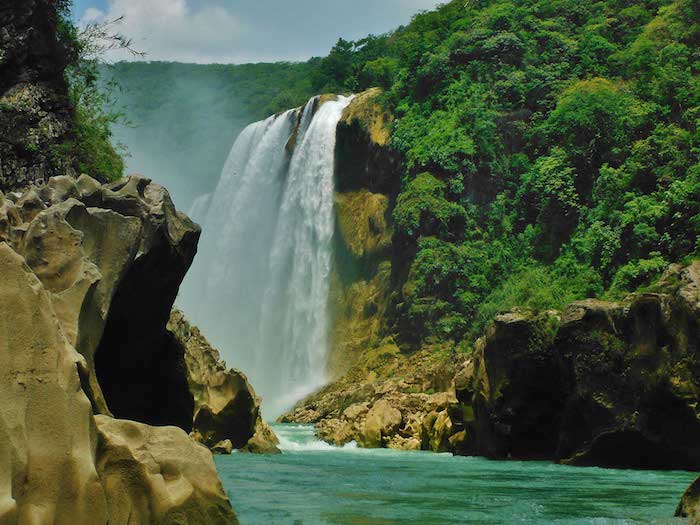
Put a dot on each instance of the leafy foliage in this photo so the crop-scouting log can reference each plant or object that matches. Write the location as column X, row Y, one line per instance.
column 551, row 151
column 90, row 149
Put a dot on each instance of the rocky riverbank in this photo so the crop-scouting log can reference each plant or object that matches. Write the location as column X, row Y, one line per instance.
column 600, row 383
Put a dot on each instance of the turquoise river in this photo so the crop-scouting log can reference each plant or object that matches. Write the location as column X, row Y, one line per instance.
column 312, row 483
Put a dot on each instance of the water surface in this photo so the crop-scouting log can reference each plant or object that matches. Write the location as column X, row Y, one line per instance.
column 313, row 483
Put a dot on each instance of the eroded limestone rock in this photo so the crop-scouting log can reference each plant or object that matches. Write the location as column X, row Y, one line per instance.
column 113, row 258
column 47, row 434
column 225, row 405
column 157, row 475
column 89, row 274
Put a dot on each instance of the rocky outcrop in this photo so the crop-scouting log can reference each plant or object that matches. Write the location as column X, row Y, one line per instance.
column 367, row 175
column 47, row 435
column 90, row 273
column 226, row 410
column 113, row 258
column 364, row 159
column 608, row 384
column 35, row 113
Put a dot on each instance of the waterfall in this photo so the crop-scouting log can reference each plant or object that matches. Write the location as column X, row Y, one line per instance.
column 259, row 287
column 198, row 210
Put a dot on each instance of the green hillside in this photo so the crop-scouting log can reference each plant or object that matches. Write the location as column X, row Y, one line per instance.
column 551, row 151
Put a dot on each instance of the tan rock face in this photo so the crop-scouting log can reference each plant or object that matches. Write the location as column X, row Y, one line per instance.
column 113, row 258
column 89, row 274
column 47, row 435
column 157, row 475
column 225, row 405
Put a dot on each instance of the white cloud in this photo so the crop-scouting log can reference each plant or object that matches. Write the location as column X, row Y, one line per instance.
column 235, row 31
column 173, row 29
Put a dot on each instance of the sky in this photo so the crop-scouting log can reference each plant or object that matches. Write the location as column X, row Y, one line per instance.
column 240, row 31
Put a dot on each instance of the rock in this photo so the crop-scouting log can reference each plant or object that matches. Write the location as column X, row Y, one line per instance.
column 363, row 158
column 113, row 265
column 35, row 111
column 158, row 475
column 689, row 506
column 225, row 404
column 383, row 420
column 438, row 430
column 341, row 411
column 223, row 447
column 89, row 275
column 47, row 435
column 402, row 443
column 264, row 441
column 606, row 384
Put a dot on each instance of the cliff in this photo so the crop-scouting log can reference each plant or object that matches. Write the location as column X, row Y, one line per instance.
column 601, row 383
column 35, row 112
column 597, row 383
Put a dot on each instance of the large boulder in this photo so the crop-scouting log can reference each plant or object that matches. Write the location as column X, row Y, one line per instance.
column 382, row 421
column 157, row 475
column 225, row 405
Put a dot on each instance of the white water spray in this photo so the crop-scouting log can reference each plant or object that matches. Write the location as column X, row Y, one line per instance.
column 260, row 285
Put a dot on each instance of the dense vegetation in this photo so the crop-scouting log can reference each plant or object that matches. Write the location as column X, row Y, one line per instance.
column 183, row 118
column 550, row 147
column 551, row 151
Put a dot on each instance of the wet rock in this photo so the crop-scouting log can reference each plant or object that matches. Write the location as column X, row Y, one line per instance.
column 689, row 506
column 223, row 447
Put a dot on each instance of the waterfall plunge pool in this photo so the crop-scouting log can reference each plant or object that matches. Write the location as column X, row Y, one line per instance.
column 313, row 483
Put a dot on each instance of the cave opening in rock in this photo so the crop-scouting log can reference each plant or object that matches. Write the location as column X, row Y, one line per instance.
column 139, row 365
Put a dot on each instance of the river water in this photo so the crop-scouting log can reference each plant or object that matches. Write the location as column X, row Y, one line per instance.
column 313, row 483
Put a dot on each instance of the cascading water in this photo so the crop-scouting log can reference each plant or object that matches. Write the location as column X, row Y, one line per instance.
column 260, row 285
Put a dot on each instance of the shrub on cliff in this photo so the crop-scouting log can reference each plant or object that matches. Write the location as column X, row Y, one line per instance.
column 90, row 148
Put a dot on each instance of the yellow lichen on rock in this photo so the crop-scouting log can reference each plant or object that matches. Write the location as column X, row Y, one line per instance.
column 363, row 223
column 373, row 118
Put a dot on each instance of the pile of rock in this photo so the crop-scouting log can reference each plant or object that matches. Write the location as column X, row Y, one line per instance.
column 391, row 413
